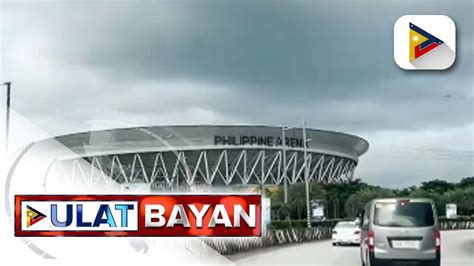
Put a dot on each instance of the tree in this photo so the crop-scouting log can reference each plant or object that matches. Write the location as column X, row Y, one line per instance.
column 421, row 193
column 346, row 199
column 466, row 182
column 405, row 192
column 463, row 198
column 338, row 193
column 297, row 200
column 468, row 201
column 275, row 194
column 437, row 186
column 437, row 198
column 317, row 191
column 357, row 201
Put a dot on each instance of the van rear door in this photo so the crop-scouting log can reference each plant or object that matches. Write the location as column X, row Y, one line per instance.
column 405, row 229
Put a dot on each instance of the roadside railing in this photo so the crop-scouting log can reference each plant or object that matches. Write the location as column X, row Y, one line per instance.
column 461, row 223
column 295, row 231
column 227, row 246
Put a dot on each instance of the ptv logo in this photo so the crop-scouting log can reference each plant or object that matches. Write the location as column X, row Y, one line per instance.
column 424, row 42
column 33, row 216
column 138, row 215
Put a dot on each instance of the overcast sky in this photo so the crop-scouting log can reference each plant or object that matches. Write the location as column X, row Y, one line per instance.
column 87, row 64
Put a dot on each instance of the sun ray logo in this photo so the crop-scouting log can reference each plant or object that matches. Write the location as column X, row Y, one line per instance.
column 424, row 42
column 33, row 216
column 421, row 42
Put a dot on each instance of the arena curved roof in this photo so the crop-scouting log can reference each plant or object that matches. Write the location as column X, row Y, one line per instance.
column 214, row 155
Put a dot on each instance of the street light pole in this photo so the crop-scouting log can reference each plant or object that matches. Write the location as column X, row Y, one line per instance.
column 7, row 118
column 306, row 176
column 285, row 182
column 305, row 165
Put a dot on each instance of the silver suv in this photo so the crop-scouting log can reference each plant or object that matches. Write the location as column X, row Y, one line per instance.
column 400, row 231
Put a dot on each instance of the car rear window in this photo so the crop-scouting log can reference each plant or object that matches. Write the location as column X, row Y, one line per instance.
column 345, row 225
column 404, row 214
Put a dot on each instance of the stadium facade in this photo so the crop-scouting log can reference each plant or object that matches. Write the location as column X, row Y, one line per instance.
column 175, row 156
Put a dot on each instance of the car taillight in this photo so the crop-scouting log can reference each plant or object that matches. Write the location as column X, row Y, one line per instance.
column 334, row 232
column 438, row 241
column 356, row 232
column 371, row 237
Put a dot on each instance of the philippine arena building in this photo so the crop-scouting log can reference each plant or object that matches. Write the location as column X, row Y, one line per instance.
column 168, row 157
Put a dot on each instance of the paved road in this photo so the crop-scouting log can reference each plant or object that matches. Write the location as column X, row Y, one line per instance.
column 457, row 250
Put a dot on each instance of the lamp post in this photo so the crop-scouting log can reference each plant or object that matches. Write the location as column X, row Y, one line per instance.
column 7, row 118
column 285, row 182
column 283, row 144
column 306, row 169
column 306, row 176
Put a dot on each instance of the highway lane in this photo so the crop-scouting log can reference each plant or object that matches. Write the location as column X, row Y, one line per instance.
column 457, row 249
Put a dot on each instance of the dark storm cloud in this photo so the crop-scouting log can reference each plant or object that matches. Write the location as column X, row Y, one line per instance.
column 307, row 56
column 274, row 49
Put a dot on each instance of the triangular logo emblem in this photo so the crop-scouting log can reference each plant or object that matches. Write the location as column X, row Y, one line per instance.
column 421, row 42
column 33, row 216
